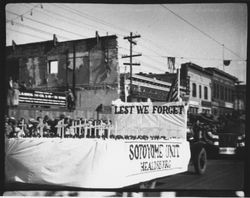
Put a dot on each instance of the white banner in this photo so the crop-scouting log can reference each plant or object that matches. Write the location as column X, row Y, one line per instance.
column 147, row 118
column 93, row 163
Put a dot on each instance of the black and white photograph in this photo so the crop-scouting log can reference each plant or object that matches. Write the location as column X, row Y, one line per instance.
column 125, row 100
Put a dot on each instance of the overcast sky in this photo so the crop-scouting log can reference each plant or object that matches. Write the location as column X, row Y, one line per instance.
column 189, row 32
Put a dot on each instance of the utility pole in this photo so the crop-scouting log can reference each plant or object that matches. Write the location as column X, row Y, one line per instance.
column 131, row 64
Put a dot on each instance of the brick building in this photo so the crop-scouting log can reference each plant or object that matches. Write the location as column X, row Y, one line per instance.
column 208, row 90
column 223, row 91
column 144, row 86
column 199, row 83
column 240, row 99
column 195, row 84
column 88, row 66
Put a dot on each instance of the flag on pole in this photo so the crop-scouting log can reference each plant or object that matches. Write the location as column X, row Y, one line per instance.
column 226, row 62
column 171, row 63
column 173, row 92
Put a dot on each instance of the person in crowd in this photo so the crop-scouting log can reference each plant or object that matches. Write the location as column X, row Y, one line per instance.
column 8, row 126
column 15, row 128
column 40, row 125
column 197, row 130
column 34, row 132
column 22, row 86
column 47, row 127
column 70, row 100
column 23, row 126
column 19, row 133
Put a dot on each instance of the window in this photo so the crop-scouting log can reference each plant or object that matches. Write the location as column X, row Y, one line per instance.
column 205, row 93
column 200, row 91
column 229, row 94
column 218, row 91
column 222, row 92
column 53, row 67
column 226, row 95
column 215, row 90
column 194, row 90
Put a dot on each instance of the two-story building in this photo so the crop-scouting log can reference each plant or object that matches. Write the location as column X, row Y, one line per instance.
column 240, row 98
column 199, row 83
column 144, row 87
column 223, row 94
column 89, row 67
column 196, row 86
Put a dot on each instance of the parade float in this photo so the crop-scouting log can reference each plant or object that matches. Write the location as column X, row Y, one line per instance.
column 151, row 143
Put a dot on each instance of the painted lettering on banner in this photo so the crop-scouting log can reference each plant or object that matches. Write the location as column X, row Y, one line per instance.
column 153, row 156
column 145, row 109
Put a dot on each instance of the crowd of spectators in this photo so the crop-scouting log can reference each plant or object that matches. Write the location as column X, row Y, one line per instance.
column 48, row 127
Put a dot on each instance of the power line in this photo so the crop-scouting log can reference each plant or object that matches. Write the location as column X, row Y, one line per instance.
column 26, row 34
column 95, row 19
column 106, row 23
column 195, row 27
column 71, row 19
column 49, row 33
column 38, row 30
column 147, row 56
column 29, row 11
column 183, row 57
column 48, row 25
column 85, row 15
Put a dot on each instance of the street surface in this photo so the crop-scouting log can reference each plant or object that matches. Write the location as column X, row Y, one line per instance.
column 223, row 178
column 221, row 174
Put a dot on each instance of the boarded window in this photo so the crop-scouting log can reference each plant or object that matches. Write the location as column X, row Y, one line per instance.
column 53, row 67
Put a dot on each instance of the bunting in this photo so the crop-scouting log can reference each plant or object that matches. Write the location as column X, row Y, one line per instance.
column 173, row 92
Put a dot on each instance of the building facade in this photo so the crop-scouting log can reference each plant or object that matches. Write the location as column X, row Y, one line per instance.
column 89, row 67
column 240, row 99
column 144, row 88
column 198, row 81
column 195, row 84
column 223, row 94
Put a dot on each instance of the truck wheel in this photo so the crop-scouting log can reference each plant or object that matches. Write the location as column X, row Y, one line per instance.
column 200, row 161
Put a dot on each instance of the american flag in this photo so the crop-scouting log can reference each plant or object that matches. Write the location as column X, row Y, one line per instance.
column 173, row 92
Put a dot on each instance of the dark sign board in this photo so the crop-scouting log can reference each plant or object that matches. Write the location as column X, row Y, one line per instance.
column 206, row 103
column 43, row 98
